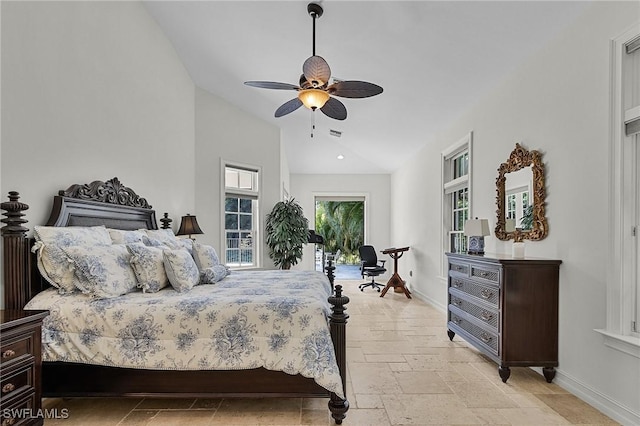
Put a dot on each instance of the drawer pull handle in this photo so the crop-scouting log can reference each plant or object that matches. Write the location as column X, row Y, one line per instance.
column 8, row 422
column 457, row 320
column 8, row 353
column 486, row 294
column 485, row 337
column 487, row 316
column 457, row 284
column 9, row 387
column 457, row 302
column 458, row 268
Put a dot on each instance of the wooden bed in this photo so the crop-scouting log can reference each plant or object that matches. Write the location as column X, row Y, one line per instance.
column 112, row 204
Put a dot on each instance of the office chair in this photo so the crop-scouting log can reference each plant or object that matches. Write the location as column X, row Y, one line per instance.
column 371, row 267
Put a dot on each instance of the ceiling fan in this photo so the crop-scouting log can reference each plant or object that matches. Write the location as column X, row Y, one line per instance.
column 314, row 90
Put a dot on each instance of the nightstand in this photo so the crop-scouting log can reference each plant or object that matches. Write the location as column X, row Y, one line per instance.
column 21, row 363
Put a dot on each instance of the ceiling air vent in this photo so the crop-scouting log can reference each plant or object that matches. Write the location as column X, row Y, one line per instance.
column 335, row 133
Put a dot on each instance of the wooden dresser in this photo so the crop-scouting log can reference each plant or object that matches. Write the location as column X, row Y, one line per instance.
column 506, row 308
column 21, row 363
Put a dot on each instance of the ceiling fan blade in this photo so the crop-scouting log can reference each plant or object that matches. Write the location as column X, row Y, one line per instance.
column 334, row 109
column 316, row 70
column 272, row 85
column 288, row 107
column 354, row 89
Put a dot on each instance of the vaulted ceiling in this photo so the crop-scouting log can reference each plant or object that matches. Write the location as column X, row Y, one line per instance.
column 434, row 60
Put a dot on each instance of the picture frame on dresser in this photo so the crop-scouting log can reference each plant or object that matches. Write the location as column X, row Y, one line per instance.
column 506, row 308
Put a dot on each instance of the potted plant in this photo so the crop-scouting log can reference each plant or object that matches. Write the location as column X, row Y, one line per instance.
column 287, row 230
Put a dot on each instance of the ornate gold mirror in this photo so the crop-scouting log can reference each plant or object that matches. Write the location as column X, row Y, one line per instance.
column 521, row 197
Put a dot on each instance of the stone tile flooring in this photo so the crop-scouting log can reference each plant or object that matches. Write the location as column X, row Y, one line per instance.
column 402, row 370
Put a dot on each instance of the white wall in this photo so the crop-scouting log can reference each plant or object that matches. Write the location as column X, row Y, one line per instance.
column 556, row 102
column 225, row 132
column 93, row 90
column 376, row 188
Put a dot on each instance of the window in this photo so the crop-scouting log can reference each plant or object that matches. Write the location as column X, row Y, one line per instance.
column 241, row 196
column 623, row 289
column 456, row 203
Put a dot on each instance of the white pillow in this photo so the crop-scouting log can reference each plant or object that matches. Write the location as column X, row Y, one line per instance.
column 205, row 256
column 148, row 265
column 104, row 271
column 181, row 269
column 53, row 263
column 213, row 274
column 119, row 236
column 164, row 235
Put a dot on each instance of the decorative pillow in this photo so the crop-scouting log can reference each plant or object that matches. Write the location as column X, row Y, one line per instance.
column 148, row 265
column 213, row 274
column 53, row 263
column 165, row 235
column 119, row 236
column 181, row 269
column 105, row 271
column 205, row 256
column 186, row 243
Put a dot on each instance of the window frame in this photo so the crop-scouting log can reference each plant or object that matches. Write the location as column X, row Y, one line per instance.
column 255, row 194
column 450, row 184
column 624, row 201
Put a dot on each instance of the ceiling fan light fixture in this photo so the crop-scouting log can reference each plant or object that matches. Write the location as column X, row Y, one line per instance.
column 313, row 98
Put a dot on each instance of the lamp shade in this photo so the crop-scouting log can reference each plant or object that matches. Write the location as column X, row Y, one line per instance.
column 476, row 227
column 189, row 226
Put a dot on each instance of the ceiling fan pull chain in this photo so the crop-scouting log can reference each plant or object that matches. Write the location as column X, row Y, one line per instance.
column 313, row 123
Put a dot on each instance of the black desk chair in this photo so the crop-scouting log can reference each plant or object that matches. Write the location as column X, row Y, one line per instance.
column 371, row 267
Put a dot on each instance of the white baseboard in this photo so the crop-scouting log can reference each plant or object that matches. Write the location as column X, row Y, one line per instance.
column 618, row 412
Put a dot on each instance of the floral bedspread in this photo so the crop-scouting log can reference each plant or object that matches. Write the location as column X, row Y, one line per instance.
column 271, row 319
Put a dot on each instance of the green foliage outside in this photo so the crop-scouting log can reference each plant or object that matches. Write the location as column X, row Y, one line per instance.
column 341, row 224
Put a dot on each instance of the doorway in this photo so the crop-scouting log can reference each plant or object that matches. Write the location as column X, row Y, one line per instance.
column 341, row 223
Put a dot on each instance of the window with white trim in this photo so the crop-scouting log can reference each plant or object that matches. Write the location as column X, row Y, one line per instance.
column 456, row 195
column 623, row 288
column 241, row 201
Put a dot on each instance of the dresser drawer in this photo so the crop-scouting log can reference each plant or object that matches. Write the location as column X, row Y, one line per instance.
column 15, row 382
column 18, row 411
column 482, row 336
column 14, row 349
column 485, row 273
column 486, row 315
column 488, row 293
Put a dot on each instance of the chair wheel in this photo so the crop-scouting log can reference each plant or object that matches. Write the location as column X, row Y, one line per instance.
column 378, row 290
column 362, row 289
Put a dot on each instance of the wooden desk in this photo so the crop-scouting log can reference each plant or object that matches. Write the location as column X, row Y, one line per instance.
column 395, row 281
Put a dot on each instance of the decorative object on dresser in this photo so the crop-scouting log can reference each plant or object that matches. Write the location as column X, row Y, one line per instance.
column 21, row 363
column 189, row 226
column 476, row 229
column 23, row 282
column 520, row 199
column 506, row 308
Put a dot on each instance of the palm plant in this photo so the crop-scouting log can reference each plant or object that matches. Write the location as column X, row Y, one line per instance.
column 286, row 231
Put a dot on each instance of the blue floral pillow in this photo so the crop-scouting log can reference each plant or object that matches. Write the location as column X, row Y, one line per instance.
column 119, row 236
column 205, row 256
column 148, row 265
column 213, row 274
column 104, row 271
column 181, row 269
column 53, row 263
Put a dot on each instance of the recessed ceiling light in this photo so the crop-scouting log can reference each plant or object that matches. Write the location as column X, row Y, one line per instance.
column 340, row 157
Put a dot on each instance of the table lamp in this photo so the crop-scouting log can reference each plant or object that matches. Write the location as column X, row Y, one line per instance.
column 476, row 229
column 189, row 226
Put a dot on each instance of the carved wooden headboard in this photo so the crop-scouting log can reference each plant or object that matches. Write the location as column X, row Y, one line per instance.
column 98, row 203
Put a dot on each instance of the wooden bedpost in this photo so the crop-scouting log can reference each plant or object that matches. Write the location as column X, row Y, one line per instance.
column 16, row 253
column 338, row 322
column 330, row 268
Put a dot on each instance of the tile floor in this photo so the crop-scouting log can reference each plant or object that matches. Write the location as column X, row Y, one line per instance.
column 402, row 370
